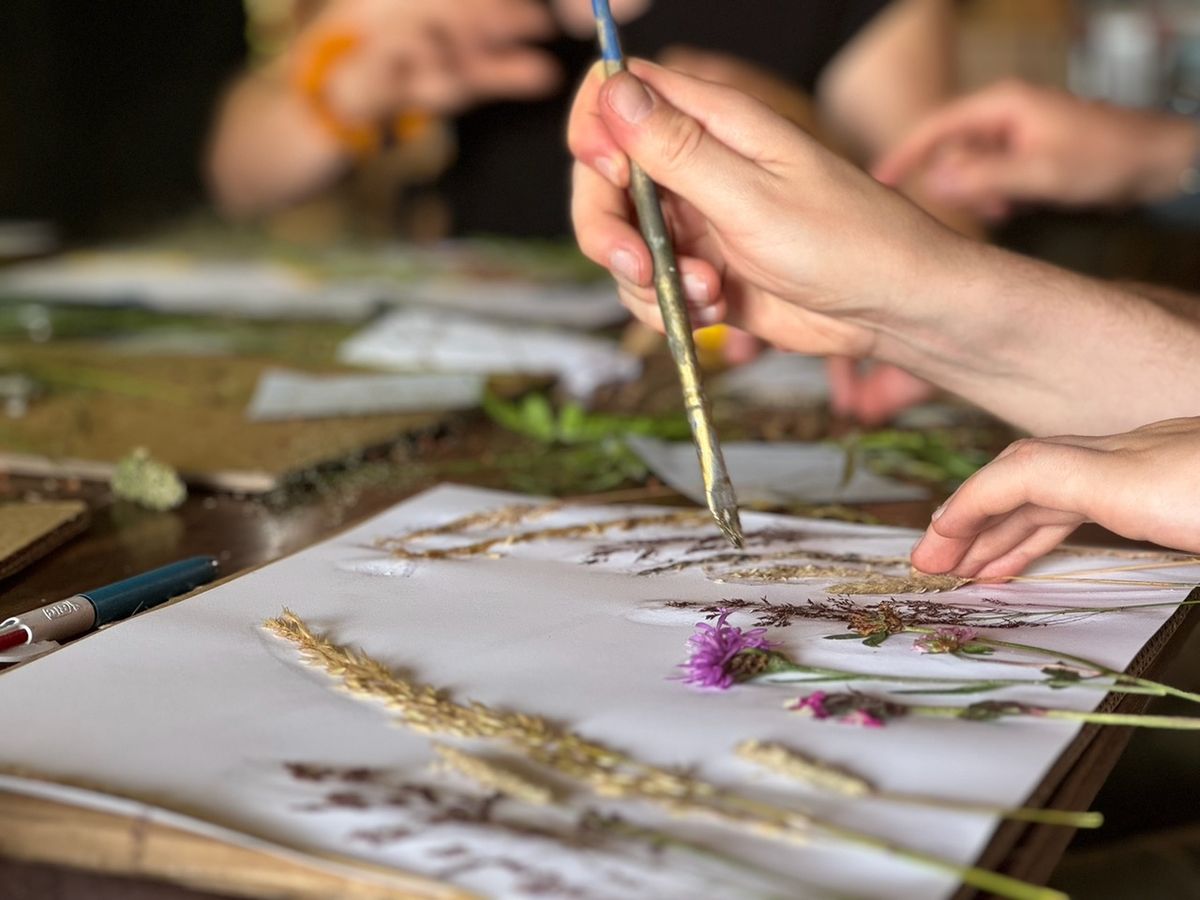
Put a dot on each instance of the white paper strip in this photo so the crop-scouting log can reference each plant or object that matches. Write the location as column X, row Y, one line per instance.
column 180, row 284
column 284, row 394
column 587, row 306
column 421, row 339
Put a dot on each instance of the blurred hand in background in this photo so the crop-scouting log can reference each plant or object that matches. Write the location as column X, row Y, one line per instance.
column 1015, row 143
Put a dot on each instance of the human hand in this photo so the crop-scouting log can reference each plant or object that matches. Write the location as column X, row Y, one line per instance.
column 427, row 55
column 774, row 234
column 1017, row 143
column 1143, row 485
column 875, row 394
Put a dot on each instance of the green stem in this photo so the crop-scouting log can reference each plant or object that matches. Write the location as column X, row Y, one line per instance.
column 1173, row 723
column 818, row 675
column 992, row 882
column 1121, row 677
column 989, row 882
column 1064, row 817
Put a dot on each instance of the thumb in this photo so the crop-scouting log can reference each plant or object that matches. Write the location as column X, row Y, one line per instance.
column 674, row 148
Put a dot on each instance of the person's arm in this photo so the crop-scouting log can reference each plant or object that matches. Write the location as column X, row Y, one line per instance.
column 897, row 71
column 784, row 240
column 268, row 149
column 291, row 128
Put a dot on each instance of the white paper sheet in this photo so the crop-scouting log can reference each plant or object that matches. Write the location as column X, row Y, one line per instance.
column 180, row 284
column 196, row 706
column 285, row 394
column 773, row 474
column 422, row 339
column 583, row 306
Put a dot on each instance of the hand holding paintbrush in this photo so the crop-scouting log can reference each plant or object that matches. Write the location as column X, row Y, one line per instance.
column 718, row 489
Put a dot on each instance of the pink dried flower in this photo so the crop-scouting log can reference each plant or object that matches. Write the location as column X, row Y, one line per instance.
column 861, row 718
column 812, row 706
column 850, row 708
column 712, row 651
column 950, row 639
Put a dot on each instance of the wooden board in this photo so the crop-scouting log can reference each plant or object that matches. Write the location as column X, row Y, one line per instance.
column 46, row 832
column 188, row 411
column 29, row 531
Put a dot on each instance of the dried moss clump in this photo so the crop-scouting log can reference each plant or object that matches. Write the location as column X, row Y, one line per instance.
column 147, row 482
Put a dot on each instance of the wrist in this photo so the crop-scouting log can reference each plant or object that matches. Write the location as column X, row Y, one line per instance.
column 955, row 320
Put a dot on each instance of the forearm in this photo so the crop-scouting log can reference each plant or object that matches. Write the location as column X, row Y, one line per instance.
column 1045, row 349
column 268, row 148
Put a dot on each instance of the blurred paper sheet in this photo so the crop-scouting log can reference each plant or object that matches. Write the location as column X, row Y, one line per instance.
column 422, row 339
column 586, row 306
column 284, row 394
column 777, row 379
column 773, row 474
column 179, row 284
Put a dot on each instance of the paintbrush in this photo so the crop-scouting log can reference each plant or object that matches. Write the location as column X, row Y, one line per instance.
column 718, row 489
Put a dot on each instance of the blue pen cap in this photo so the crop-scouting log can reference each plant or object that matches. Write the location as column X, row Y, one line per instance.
column 125, row 598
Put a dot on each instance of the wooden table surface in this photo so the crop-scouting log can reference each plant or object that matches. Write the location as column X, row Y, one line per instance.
column 244, row 533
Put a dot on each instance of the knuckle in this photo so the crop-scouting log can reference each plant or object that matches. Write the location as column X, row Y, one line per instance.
column 681, row 143
column 1025, row 450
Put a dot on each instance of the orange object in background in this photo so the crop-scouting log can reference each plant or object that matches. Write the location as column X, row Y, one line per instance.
column 310, row 79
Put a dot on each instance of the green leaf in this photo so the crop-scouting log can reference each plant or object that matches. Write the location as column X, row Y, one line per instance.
column 854, row 635
column 976, row 649
column 876, row 639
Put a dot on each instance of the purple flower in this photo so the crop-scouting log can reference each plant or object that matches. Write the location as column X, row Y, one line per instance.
column 713, row 648
column 950, row 639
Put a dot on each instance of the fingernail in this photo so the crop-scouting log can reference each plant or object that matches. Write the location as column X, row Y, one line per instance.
column 624, row 264
column 608, row 169
column 704, row 316
column 937, row 513
column 696, row 289
column 630, row 100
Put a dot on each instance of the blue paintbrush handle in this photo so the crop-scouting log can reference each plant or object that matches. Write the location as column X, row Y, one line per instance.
column 124, row 598
column 610, row 43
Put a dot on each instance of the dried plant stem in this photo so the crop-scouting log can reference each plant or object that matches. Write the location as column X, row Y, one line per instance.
column 784, row 671
column 1137, row 567
column 1121, row 678
column 1133, row 720
column 606, row 772
column 487, row 774
column 1119, row 582
column 492, row 777
column 807, row 770
column 399, row 546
